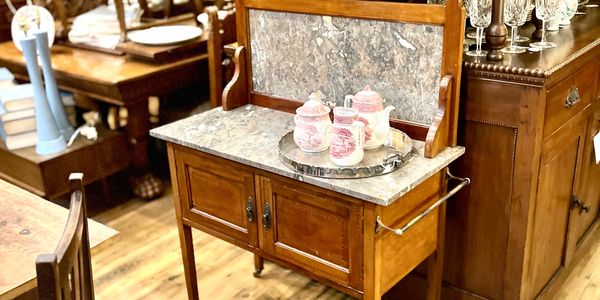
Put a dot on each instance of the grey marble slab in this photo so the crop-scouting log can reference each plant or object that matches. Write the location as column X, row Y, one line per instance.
column 250, row 134
column 296, row 54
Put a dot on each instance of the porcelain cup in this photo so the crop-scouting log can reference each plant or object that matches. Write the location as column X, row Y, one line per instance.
column 347, row 143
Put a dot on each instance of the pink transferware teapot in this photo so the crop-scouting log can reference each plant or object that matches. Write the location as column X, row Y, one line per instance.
column 371, row 112
column 313, row 126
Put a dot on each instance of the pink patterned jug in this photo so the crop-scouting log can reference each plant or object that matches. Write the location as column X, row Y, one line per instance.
column 348, row 137
column 313, row 126
column 371, row 112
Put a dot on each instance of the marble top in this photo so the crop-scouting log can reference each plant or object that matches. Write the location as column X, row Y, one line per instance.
column 250, row 134
column 295, row 54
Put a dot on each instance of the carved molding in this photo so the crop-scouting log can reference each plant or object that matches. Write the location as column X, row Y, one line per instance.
column 523, row 75
column 506, row 72
column 575, row 55
column 504, row 75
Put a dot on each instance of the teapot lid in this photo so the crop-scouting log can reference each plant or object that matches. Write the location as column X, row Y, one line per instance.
column 314, row 106
column 368, row 96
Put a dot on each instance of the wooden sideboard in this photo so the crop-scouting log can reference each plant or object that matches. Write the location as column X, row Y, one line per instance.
column 527, row 123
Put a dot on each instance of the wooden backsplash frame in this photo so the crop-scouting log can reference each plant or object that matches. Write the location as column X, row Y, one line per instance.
column 440, row 134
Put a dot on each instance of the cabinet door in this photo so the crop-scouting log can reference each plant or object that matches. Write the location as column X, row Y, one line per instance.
column 585, row 208
column 557, row 182
column 217, row 196
column 312, row 229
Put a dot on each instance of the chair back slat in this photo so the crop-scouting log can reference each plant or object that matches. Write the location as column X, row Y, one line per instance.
column 67, row 274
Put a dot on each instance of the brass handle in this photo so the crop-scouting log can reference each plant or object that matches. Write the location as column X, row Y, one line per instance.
column 400, row 231
column 250, row 209
column 583, row 207
column 266, row 218
column 573, row 97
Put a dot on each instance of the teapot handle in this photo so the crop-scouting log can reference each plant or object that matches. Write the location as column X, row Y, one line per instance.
column 361, row 133
column 347, row 100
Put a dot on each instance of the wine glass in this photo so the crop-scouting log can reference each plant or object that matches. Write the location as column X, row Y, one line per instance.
column 480, row 15
column 515, row 14
column 545, row 10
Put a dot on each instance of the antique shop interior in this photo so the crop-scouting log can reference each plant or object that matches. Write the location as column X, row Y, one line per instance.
column 299, row 149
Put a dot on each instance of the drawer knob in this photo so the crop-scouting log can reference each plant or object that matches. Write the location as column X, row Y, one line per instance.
column 573, row 97
column 577, row 202
column 250, row 209
column 266, row 218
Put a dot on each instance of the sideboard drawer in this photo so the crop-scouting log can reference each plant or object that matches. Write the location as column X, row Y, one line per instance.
column 569, row 97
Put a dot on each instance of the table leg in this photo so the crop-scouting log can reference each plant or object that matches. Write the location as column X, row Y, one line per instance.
column 144, row 184
column 259, row 264
column 435, row 263
column 189, row 263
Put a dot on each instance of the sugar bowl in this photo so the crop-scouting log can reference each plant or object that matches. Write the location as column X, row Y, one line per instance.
column 312, row 132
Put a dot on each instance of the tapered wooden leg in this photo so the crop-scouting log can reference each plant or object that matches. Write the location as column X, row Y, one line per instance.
column 189, row 263
column 435, row 263
column 259, row 264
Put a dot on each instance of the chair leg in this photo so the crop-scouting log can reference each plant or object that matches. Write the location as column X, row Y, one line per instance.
column 259, row 264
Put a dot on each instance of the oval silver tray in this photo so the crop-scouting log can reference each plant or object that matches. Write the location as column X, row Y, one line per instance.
column 395, row 153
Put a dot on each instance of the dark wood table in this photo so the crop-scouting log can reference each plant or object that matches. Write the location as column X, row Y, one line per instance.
column 117, row 80
column 30, row 225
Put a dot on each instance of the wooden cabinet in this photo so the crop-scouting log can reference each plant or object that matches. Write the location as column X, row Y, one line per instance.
column 326, row 235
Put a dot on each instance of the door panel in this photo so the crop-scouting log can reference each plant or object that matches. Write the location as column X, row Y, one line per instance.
column 206, row 201
column 558, row 179
column 313, row 230
column 583, row 215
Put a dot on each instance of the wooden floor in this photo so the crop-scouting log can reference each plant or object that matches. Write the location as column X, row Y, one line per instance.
column 144, row 262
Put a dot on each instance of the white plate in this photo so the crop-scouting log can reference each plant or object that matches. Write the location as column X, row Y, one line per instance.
column 165, row 35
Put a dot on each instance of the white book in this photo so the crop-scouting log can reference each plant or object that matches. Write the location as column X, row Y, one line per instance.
column 17, row 97
column 19, row 126
column 21, row 140
column 6, row 78
column 16, row 115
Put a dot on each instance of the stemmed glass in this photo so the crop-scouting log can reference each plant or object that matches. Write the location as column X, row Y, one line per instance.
column 515, row 14
column 480, row 14
column 545, row 10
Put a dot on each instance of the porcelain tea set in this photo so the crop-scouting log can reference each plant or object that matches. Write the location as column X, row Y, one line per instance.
column 362, row 123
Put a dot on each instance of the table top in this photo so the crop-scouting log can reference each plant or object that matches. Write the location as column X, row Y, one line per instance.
column 114, row 78
column 574, row 41
column 250, row 135
column 29, row 226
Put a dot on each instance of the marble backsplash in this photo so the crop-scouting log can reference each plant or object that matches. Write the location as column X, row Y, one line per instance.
column 296, row 54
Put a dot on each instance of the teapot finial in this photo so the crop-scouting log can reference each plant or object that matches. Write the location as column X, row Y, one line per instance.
column 318, row 96
column 367, row 87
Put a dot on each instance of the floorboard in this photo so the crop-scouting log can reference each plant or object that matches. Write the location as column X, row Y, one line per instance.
column 145, row 263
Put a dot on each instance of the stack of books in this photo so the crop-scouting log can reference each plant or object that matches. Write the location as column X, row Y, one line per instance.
column 17, row 116
column 17, row 113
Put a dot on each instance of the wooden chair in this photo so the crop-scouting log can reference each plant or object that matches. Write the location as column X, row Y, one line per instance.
column 220, row 67
column 67, row 273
